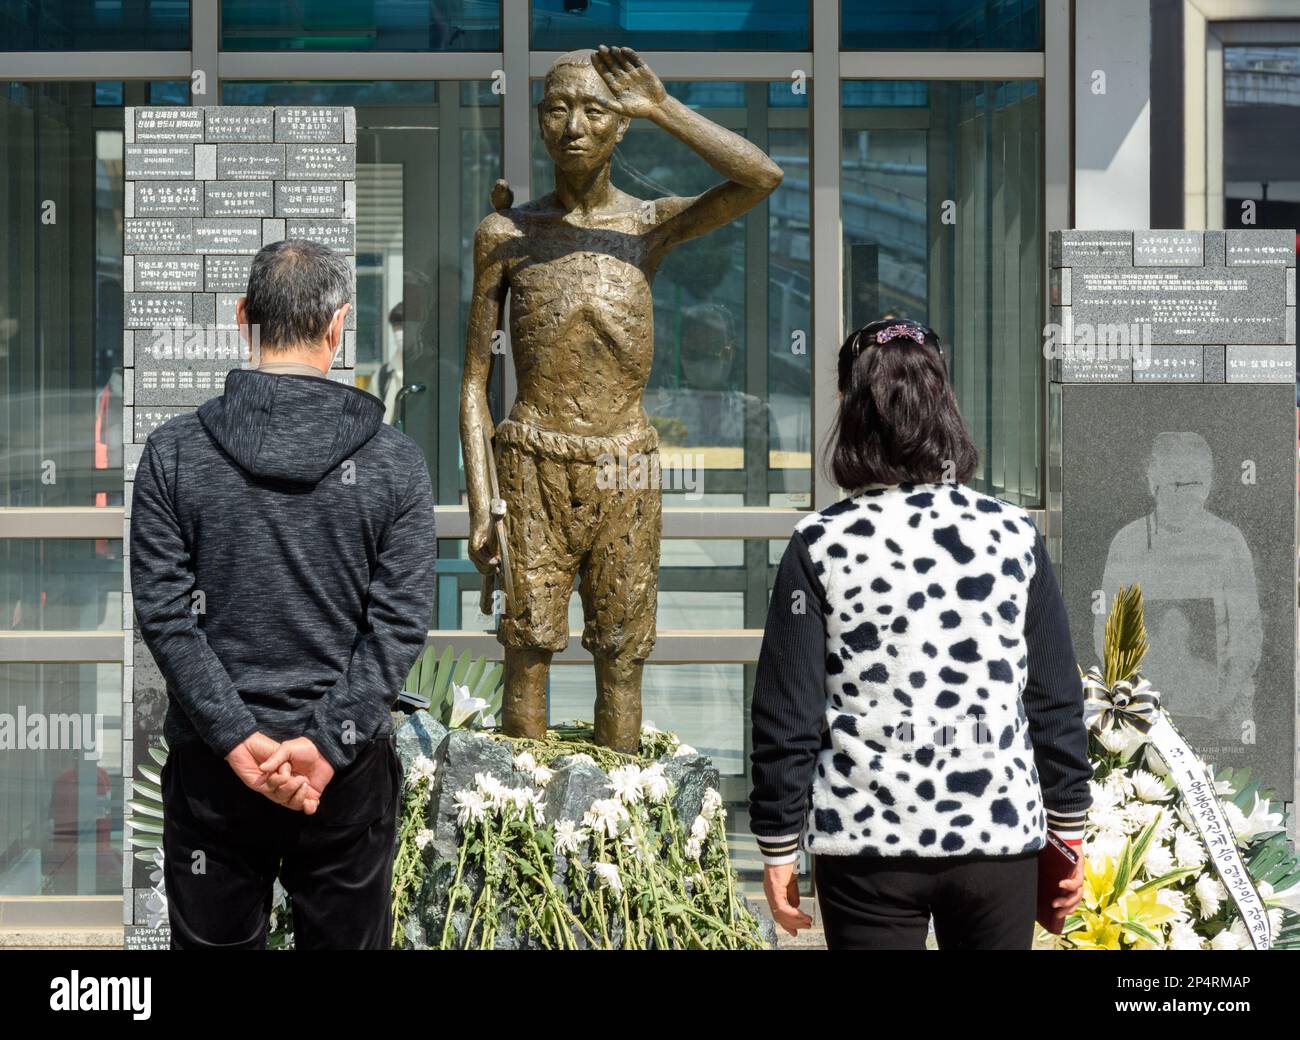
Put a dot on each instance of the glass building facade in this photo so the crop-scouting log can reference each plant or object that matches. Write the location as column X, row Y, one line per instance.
column 917, row 175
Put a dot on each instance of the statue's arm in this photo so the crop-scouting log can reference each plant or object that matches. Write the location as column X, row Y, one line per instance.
column 486, row 316
column 751, row 176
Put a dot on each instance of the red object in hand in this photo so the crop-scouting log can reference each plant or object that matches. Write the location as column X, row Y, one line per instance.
column 1056, row 863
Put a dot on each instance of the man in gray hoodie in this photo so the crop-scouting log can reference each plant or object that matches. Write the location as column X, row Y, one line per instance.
column 282, row 568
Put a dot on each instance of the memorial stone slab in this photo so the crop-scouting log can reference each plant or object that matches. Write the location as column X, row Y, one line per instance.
column 338, row 234
column 227, row 234
column 1182, row 363
column 152, row 310
column 166, row 123
column 1215, row 248
column 298, row 124
column 177, row 272
column 1168, row 249
column 167, row 199
column 309, row 198
column 148, row 418
column 1215, row 363
column 1260, row 363
column 320, row 161
column 250, row 162
column 158, row 234
column 1092, row 249
column 205, row 309
column 238, row 199
column 226, row 273
column 240, row 124
column 1264, row 247
column 148, row 161
column 1184, row 305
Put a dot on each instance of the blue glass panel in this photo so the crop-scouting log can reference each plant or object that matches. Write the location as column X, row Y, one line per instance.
column 879, row 25
column 94, row 25
column 682, row 25
column 346, row 25
column 884, row 94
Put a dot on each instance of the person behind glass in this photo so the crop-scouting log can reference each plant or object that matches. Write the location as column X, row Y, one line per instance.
column 917, row 709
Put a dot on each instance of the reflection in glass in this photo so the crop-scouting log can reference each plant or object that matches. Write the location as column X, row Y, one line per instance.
column 61, row 784
column 61, row 584
column 942, row 216
column 95, row 25
column 61, row 291
column 345, row 25
column 880, row 25
column 427, row 155
column 1261, row 119
column 739, row 25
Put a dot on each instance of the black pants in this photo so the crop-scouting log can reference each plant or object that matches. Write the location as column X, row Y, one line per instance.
column 224, row 845
column 885, row 902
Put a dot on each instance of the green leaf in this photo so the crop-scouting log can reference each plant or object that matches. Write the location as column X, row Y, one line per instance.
column 150, row 774
column 145, row 808
column 1126, row 636
column 159, row 755
column 1140, row 930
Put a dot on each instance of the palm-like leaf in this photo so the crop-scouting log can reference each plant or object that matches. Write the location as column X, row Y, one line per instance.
column 435, row 674
column 1126, row 635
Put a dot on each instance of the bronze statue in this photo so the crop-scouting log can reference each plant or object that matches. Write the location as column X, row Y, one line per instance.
column 577, row 264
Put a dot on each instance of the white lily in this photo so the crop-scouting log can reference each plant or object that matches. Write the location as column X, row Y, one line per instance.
column 464, row 707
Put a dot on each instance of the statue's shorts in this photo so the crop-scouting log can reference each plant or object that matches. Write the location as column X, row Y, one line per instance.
column 586, row 508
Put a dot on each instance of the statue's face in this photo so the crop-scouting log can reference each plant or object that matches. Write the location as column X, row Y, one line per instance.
column 578, row 122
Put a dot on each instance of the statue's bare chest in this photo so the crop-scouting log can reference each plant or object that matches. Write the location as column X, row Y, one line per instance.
column 564, row 269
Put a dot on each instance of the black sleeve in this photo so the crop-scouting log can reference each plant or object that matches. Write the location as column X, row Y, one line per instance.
column 162, row 583
column 1053, row 700
column 398, row 615
column 788, row 706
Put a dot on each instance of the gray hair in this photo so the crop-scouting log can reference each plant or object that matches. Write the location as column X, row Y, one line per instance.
column 294, row 288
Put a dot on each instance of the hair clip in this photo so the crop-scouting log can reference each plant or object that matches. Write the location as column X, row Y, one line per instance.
column 895, row 331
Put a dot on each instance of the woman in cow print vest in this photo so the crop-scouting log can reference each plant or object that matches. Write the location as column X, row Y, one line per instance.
column 917, row 710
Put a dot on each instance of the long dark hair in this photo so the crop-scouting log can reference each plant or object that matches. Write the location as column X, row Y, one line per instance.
column 898, row 421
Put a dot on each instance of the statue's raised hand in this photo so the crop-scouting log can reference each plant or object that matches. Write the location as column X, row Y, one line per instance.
column 636, row 90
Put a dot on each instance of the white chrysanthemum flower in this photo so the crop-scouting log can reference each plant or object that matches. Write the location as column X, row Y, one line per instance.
column 1121, row 740
column 1227, row 940
column 607, row 874
column 694, row 847
column 606, row 816
column 1189, row 851
column 582, row 756
column 649, row 729
column 470, row 807
column 1183, row 937
column 1149, row 787
column 1209, row 895
column 492, row 789
column 543, row 775
column 700, row 828
column 626, row 781
column 1175, row 899
column 711, row 804
column 1158, row 860
column 525, row 762
column 423, row 770
column 1109, row 820
column 569, row 837
column 1105, row 843
column 654, row 784
column 684, row 751
column 422, row 837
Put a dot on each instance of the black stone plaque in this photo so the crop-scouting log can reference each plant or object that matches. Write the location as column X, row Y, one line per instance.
column 228, row 234
column 337, row 234
column 148, row 161
column 323, row 161
column 167, row 123
column 309, row 198
column 226, row 273
column 167, row 199
column 247, row 124
column 309, row 123
column 250, row 162
column 1190, row 492
column 176, row 272
column 239, row 199
column 158, row 235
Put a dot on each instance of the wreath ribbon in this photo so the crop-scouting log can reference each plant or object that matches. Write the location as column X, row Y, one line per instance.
column 1129, row 705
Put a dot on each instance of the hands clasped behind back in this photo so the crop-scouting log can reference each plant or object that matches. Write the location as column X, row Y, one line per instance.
column 292, row 773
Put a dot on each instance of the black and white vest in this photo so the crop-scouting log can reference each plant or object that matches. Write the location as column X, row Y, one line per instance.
column 926, row 749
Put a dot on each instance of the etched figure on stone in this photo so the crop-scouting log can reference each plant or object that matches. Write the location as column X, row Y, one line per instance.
column 577, row 265
column 1198, row 583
